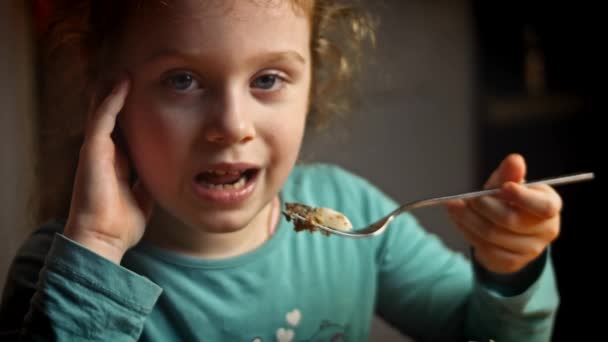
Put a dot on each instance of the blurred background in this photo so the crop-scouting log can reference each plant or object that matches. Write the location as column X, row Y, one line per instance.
column 452, row 88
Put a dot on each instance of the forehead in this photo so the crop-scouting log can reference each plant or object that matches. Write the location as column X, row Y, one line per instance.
column 236, row 8
column 220, row 28
column 202, row 15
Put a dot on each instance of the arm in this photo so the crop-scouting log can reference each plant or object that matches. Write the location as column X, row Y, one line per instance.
column 513, row 295
column 75, row 289
column 433, row 294
column 57, row 290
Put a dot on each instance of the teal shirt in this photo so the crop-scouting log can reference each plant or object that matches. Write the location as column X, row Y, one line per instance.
column 295, row 287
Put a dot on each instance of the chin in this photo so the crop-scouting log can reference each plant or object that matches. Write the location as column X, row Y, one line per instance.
column 222, row 222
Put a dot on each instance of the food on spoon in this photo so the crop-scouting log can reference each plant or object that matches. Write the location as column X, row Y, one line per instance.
column 310, row 216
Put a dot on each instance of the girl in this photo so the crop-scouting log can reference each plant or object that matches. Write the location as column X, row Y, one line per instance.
column 174, row 232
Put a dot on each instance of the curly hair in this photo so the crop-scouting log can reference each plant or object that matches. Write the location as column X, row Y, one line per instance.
column 77, row 53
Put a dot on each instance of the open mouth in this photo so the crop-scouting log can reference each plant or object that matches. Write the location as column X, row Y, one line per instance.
column 226, row 179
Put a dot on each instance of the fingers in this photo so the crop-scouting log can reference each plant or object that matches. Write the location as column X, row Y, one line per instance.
column 511, row 169
column 512, row 228
column 103, row 120
column 484, row 234
column 519, row 208
column 541, row 201
column 500, row 213
column 494, row 257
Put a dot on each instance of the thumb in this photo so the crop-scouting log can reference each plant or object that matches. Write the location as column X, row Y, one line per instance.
column 511, row 169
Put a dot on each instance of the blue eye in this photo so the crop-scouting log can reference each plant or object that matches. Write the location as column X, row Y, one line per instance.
column 181, row 81
column 266, row 82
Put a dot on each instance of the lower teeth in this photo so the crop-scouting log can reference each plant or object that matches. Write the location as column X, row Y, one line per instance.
column 234, row 186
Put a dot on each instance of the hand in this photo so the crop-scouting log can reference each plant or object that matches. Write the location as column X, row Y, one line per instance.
column 511, row 229
column 107, row 214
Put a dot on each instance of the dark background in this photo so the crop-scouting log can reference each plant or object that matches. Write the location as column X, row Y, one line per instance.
column 557, row 126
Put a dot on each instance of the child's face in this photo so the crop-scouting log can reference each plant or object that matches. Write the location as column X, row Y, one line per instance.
column 217, row 108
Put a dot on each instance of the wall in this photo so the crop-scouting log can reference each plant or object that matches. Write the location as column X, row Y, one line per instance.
column 16, row 106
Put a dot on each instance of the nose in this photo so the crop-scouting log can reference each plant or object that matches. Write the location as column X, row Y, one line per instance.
column 228, row 121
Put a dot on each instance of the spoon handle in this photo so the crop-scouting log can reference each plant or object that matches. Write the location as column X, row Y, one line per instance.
column 565, row 179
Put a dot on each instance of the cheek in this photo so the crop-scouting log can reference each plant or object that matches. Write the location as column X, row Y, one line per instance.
column 154, row 138
column 140, row 126
column 286, row 136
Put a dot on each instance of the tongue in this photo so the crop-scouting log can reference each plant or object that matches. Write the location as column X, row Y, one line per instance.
column 217, row 179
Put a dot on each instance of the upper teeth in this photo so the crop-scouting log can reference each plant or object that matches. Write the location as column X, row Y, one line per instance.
column 223, row 173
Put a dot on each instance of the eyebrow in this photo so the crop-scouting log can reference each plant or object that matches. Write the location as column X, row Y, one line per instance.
column 279, row 56
column 267, row 57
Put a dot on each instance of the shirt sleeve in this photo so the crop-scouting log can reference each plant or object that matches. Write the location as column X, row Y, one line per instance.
column 73, row 294
column 434, row 294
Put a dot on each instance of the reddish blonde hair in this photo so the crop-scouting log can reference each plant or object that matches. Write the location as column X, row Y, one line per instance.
column 78, row 46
